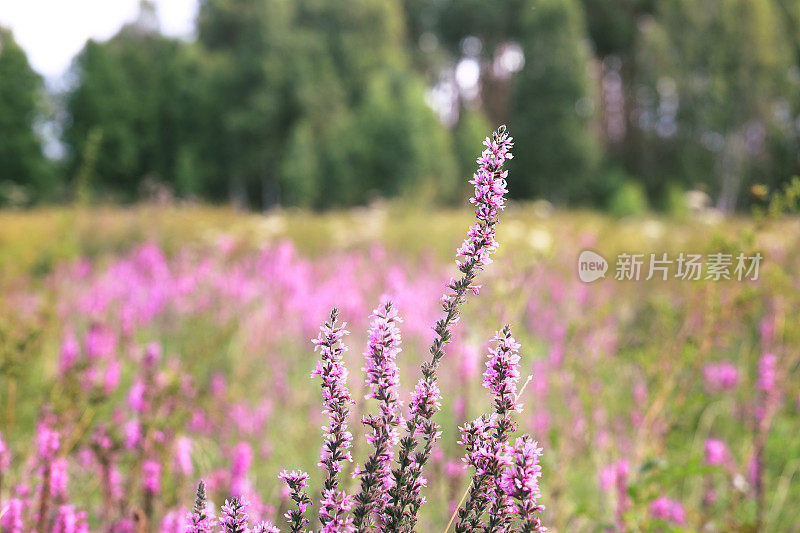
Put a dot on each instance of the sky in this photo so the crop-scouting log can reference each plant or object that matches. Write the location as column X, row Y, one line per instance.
column 52, row 32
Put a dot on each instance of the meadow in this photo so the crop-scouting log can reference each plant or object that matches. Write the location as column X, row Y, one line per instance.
column 168, row 344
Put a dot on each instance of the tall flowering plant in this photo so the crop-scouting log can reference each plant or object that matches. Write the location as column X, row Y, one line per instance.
column 504, row 492
column 473, row 255
column 338, row 440
column 383, row 379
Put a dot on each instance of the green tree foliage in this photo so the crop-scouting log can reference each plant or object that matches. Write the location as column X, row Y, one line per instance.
column 248, row 45
column 322, row 103
column 553, row 106
column 492, row 22
column 398, row 145
column 716, row 75
column 317, row 84
column 468, row 134
column 613, row 26
column 136, row 92
column 25, row 174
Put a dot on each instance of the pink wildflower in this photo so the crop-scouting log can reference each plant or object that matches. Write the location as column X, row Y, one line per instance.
column 334, row 512
column 383, row 346
column 721, row 376
column 5, row 456
column 240, row 467
column 234, row 516
column 716, row 452
column 474, row 254
column 296, row 482
column 520, row 483
column 13, row 521
column 59, row 478
column 151, row 476
column 69, row 353
column 663, row 508
column 200, row 520
column 337, row 400
column 767, row 373
column 183, row 455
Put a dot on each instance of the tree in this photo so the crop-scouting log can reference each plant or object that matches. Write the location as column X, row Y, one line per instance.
column 249, row 45
column 714, row 74
column 468, row 134
column 327, row 111
column 397, row 144
column 365, row 108
column 553, row 106
column 25, row 174
column 137, row 93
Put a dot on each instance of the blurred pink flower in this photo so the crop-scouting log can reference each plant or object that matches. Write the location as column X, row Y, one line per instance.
column 133, row 434
column 716, row 452
column 5, row 455
column 112, row 376
column 767, row 372
column 99, row 342
column 468, row 363
column 183, row 455
column 69, row 352
column 151, row 476
column 663, row 508
column 136, row 397
column 240, row 468
column 59, row 478
column 48, row 442
column 722, row 376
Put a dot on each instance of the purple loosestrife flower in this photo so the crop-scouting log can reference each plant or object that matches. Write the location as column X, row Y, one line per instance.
column 500, row 378
column 383, row 378
column 490, row 458
column 766, row 405
column 200, row 520
column 615, row 476
column 334, row 512
column 502, row 372
column 68, row 520
column 151, row 477
column 12, row 519
column 662, row 508
column 520, row 483
column 5, row 460
column 234, row 516
column 721, row 376
column 476, row 437
column 715, row 452
column 336, row 398
column 767, row 373
column 183, row 455
column 296, row 482
column 240, row 468
column 69, row 353
column 474, row 254
column 173, row 522
column 48, row 443
column 5, row 455
column 266, row 527
column 59, row 478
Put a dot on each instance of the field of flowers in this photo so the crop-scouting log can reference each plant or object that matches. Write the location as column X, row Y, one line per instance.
column 144, row 349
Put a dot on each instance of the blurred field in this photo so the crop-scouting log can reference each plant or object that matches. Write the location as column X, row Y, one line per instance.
column 620, row 369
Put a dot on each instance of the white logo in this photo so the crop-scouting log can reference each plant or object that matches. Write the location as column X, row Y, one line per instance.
column 591, row 266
